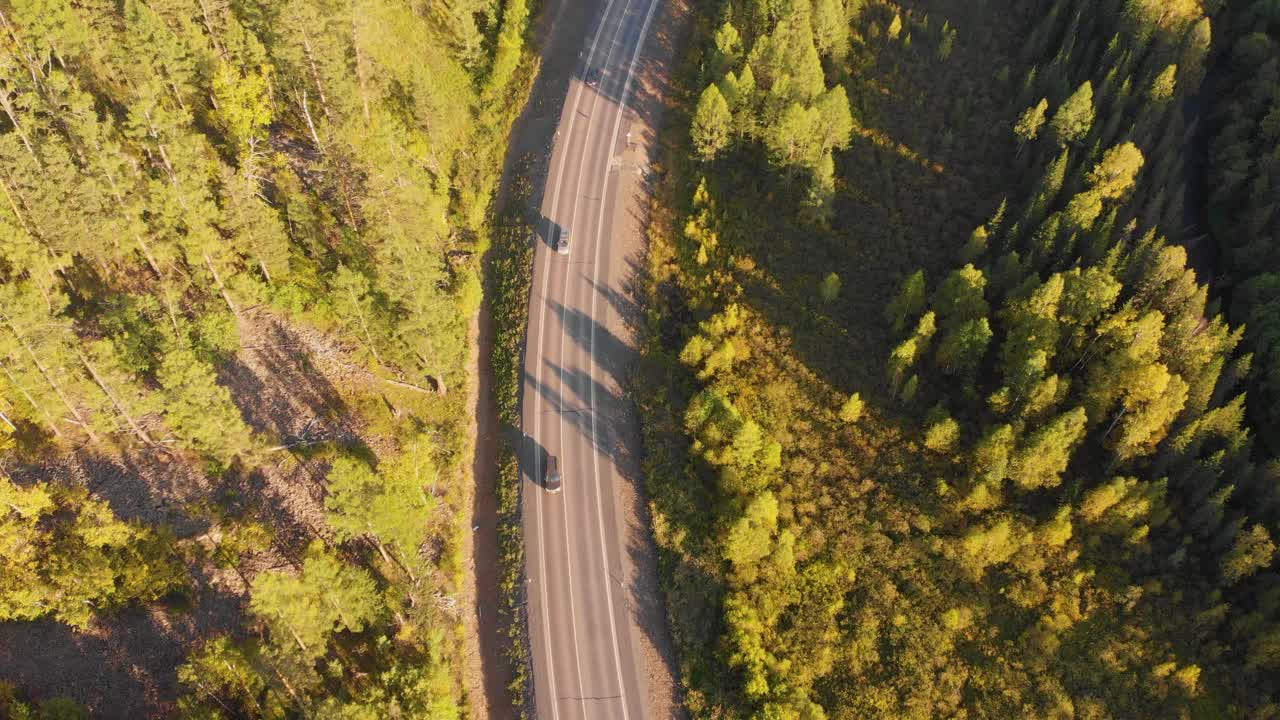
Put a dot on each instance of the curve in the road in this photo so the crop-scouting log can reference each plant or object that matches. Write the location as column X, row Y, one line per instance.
column 590, row 642
column 546, row 275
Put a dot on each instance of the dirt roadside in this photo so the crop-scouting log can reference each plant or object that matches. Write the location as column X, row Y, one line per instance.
column 560, row 29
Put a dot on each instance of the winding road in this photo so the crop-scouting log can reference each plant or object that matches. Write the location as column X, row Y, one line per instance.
column 584, row 629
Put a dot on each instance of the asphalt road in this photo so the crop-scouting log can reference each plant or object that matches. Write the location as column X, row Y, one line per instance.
column 583, row 631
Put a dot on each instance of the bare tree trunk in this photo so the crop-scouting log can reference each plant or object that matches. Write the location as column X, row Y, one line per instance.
column 112, row 397
column 391, row 559
column 52, row 383
column 298, row 640
column 265, row 272
column 20, row 48
column 6, row 103
column 410, row 386
column 173, row 315
column 360, row 73
column 13, row 203
column 306, row 115
column 208, row 26
column 47, row 417
column 221, row 288
column 368, row 337
column 315, row 74
column 297, row 699
column 146, row 253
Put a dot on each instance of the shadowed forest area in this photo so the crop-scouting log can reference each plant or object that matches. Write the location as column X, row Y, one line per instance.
column 939, row 419
column 240, row 252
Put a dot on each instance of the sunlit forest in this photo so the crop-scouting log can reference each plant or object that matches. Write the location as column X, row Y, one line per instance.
column 963, row 359
column 959, row 379
column 240, row 250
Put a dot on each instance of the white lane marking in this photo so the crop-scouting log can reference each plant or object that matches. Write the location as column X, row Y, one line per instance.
column 537, row 400
column 595, row 273
column 564, row 332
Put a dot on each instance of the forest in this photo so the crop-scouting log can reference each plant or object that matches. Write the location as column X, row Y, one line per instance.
column 962, row 360
column 240, row 248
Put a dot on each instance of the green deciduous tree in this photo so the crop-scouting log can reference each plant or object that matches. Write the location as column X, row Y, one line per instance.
column 243, row 106
column 750, row 538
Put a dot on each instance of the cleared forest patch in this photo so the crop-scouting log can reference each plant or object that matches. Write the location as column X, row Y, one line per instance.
column 295, row 384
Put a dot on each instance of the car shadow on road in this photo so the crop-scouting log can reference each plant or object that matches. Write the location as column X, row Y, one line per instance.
column 532, row 457
column 547, row 231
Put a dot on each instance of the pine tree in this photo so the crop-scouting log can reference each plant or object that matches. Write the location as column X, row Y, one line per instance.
column 1163, row 86
column 353, row 303
column 794, row 141
column 393, row 506
column 1074, row 118
column 199, row 410
column 908, row 303
column 712, row 124
column 224, row 672
column 829, row 288
column 68, row 556
column 1252, row 551
column 1027, row 127
column 961, row 297
column 830, row 30
column 834, row 120
column 961, row 350
column 895, row 27
column 37, row 342
column 308, row 608
column 1042, row 459
column 851, row 409
column 728, row 48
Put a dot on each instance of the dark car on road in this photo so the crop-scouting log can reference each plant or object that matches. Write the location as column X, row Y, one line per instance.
column 593, row 76
column 551, row 479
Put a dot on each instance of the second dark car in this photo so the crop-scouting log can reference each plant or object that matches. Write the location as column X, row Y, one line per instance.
column 551, row 478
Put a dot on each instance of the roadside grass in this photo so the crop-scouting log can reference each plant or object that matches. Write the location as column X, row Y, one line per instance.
column 509, row 274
